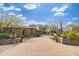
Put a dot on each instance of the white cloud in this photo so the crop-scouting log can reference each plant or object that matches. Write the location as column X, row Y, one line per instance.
column 32, row 22
column 23, row 18
column 3, row 8
column 60, row 11
column 69, row 23
column 18, row 9
column 10, row 8
column 13, row 8
column 31, row 6
column 20, row 15
column 11, row 13
column 35, row 22
column 54, row 9
column 75, row 18
column 38, row 4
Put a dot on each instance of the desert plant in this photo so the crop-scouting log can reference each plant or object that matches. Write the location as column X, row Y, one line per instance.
column 4, row 36
column 43, row 28
column 8, row 21
column 73, row 35
column 64, row 36
column 56, row 38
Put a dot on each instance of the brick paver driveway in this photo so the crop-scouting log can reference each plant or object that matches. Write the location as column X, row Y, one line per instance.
column 41, row 46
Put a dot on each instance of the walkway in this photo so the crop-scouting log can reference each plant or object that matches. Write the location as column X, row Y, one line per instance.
column 41, row 46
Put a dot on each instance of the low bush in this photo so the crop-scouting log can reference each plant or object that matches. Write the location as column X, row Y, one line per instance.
column 4, row 36
column 66, row 32
column 56, row 38
column 72, row 35
column 64, row 36
column 59, row 34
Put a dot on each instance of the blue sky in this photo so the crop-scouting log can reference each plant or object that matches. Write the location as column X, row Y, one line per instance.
column 41, row 13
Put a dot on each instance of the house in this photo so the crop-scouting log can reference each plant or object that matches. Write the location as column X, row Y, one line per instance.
column 25, row 31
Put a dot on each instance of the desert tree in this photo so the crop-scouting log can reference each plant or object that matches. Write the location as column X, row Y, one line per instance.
column 43, row 28
column 8, row 21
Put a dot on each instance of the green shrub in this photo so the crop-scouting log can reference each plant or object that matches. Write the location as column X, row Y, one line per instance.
column 59, row 34
column 4, row 35
column 66, row 32
column 56, row 38
column 73, row 35
column 64, row 36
